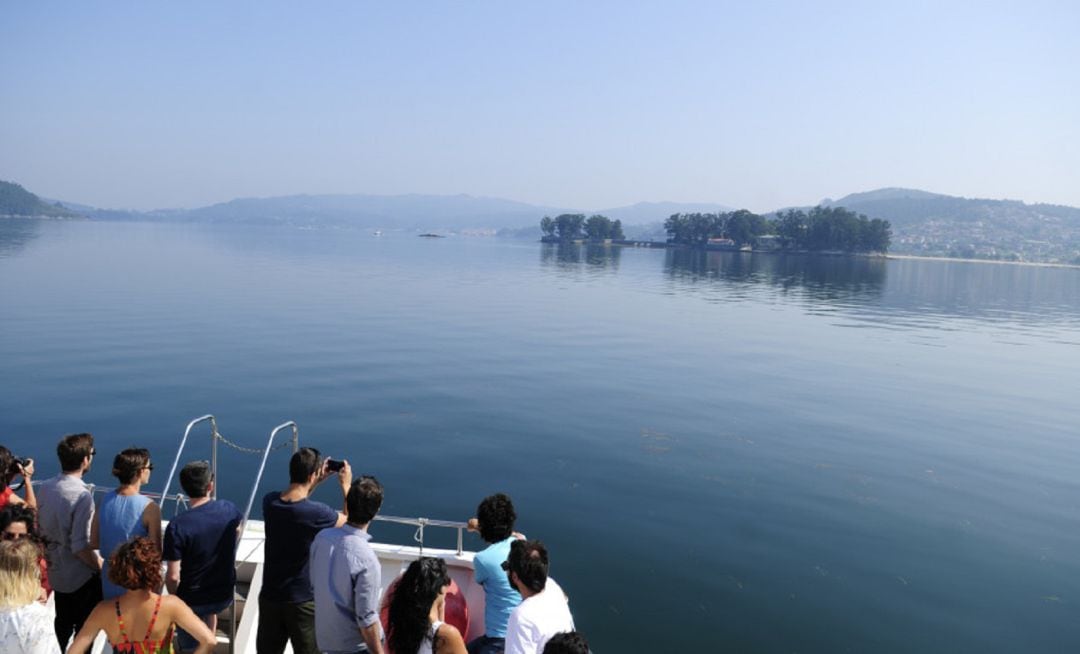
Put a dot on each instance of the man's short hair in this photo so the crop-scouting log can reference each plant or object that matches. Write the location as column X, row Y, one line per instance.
column 195, row 479
column 529, row 561
column 129, row 464
column 364, row 499
column 72, row 449
column 567, row 642
column 496, row 517
column 304, row 463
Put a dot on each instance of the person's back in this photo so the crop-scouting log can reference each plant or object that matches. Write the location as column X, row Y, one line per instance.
column 200, row 549
column 65, row 515
column 120, row 520
column 544, row 610
column 65, row 510
column 286, row 606
column 495, row 518
column 537, row 619
column 346, row 576
column 290, row 528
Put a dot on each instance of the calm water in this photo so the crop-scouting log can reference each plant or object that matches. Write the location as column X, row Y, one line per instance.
column 724, row 452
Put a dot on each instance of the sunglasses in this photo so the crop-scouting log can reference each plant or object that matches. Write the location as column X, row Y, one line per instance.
column 149, row 466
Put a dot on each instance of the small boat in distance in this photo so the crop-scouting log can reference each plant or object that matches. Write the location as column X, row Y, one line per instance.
column 430, row 235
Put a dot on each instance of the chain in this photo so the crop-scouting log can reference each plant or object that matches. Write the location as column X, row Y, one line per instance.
column 250, row 450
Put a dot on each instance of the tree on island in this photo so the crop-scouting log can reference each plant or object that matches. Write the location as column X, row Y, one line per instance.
column 823, row 228
column 599, row 228
column 742, row 226
column 564, row 227
column 832, row 228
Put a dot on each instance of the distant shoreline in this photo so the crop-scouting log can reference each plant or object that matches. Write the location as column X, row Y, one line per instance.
column 1040, row 264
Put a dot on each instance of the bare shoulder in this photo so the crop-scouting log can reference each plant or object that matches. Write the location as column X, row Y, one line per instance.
column 450, row 640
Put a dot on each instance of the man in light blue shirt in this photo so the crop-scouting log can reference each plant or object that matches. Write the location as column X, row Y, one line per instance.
column 495, row 521
column 346, row 577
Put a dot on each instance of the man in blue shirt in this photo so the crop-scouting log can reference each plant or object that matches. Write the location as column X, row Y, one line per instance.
column 346, row 577
column 200, row 548
column 495, row 521
column 286, row 603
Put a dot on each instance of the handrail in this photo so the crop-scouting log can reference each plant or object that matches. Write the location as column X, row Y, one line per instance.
column 183, row 442
column 420, row 523
column 262, row 466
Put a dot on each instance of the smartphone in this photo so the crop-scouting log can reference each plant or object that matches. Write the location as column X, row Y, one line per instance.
column 333, row 465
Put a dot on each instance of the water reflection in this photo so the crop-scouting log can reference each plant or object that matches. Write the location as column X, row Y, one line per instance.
column 819, row 278
column 897, row 291
column 16, row 234
column 568, row 256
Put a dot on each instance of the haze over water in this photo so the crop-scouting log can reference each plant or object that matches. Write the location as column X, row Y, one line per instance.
column 723, row 452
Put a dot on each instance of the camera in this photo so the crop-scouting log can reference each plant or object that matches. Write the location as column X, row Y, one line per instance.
column 333, row 465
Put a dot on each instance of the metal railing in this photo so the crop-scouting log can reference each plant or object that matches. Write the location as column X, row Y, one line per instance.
column 422, row 523
column 180, row 451
column 262, row 465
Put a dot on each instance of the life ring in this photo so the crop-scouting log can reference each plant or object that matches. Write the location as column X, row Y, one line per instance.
column 457, row 609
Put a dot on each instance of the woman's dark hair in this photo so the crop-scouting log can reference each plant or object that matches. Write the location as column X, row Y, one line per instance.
column 128, row 464
column 8, row 467
column 136, row 565
column 410, row 605
column 496, row 517
column 24, row 514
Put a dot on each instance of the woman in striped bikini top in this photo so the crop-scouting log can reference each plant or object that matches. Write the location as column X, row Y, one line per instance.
column 136, row 566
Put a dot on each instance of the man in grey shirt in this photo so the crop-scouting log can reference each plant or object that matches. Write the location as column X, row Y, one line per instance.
column 346, row 578
column 65, row 511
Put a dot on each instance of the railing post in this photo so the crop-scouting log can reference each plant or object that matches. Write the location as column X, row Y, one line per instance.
column 262, row 466
column 180, row 450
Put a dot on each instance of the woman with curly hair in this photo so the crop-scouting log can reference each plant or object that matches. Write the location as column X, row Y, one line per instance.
column 26, row 626
column 140, row 612
column 416, row 623
column 19, row 522
column 125, row 512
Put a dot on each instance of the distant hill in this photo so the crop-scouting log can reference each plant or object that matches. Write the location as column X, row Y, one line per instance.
column 17, row 201
column 424, row 212
column 943, row 225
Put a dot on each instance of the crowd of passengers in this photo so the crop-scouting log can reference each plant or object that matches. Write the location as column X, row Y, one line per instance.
column 322, row 582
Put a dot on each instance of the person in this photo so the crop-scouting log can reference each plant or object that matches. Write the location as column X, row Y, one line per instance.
column 567, row 642
column 291, row 519
column 416, row 622
column 544, row 610
column 17, row 522
column 200, row 548
column 494, row 520
column 65, row 514
column 346, row 577
column 10, row 468
column 125, row 513
column 140, row 612
column 26, row 627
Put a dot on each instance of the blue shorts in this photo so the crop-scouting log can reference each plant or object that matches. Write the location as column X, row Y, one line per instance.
column 184, row 641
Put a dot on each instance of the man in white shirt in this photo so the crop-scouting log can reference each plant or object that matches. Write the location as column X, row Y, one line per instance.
column 544, row 610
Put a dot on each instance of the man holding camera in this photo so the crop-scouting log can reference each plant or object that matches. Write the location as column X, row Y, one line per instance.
column 286, row 602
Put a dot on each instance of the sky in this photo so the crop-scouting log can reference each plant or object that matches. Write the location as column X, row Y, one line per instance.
column 585, row 105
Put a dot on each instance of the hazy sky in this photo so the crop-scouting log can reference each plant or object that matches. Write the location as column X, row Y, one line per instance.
column 574, row 104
